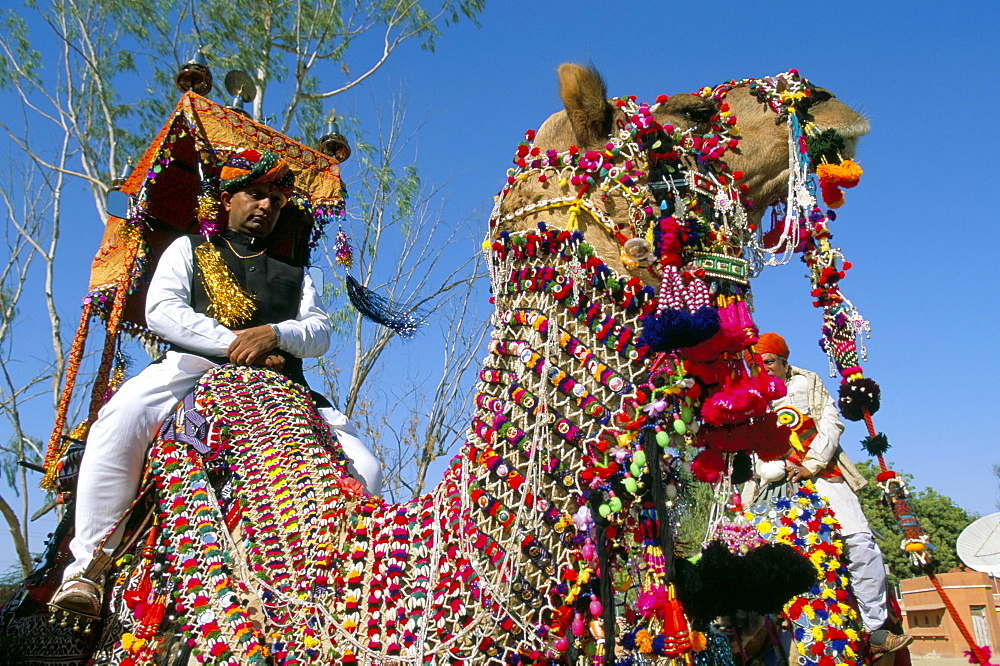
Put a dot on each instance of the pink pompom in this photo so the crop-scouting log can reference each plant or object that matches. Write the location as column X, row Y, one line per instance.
column 708, row 466
column 654, row 601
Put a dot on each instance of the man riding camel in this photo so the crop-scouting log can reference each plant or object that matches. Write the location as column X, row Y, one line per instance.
column 282, row 322
column 836, row 479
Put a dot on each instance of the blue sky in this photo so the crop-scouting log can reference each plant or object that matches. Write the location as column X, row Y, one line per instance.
column 919, row 229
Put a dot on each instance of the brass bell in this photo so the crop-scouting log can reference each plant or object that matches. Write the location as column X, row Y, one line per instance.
column 640, row 251
column 334, row 144
column 194, row 75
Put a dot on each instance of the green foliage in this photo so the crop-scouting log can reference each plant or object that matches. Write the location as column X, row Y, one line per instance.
column 17, row 51
column 697, row 501
column 939, row 516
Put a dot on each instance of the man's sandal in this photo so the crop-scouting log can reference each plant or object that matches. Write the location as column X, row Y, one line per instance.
column 890, row 642
column 77, row 605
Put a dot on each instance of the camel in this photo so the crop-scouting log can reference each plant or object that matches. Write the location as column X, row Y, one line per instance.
column 550, row 538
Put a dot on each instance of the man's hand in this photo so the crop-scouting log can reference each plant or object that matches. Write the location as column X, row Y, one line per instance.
column 797, row 472
column 252, row 344
column 273, row 362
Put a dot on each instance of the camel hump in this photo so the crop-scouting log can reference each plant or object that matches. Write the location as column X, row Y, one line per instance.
column 585, row 97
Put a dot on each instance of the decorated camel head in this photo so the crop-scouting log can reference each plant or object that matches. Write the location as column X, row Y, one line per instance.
column 620, row 252
column 741, row 127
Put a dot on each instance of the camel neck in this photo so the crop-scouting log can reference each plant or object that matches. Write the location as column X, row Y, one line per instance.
column 561, row 369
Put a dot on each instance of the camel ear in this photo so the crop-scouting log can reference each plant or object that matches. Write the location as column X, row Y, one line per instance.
column 585, row 97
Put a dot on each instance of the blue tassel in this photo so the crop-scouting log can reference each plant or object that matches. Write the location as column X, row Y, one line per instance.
column 373, row 307
column 676, row 329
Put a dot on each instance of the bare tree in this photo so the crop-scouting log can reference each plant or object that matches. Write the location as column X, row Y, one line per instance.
column 31, row 241
column 410, row 253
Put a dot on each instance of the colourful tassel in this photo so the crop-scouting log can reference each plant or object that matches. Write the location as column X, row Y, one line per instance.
column 342, row 251
column 832, row 177
column 400, row 318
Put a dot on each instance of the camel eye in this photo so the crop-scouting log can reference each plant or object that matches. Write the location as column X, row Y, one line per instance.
column 820, row 94
column 700, row 115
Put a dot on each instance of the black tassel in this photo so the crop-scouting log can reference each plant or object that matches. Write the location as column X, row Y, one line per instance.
column 857, row 397
column 373, row 307
column 876, row 446
column 721, row 583
column 607, row 594
column 742, row 468
column 652, row 451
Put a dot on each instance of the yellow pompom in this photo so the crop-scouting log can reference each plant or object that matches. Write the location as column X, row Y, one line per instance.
column 845, row 174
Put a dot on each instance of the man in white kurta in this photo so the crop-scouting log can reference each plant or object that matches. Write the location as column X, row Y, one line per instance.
column 116, row 445
column 837, row 480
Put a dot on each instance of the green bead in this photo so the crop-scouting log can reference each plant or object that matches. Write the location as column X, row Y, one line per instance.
column 662, row 438
column 680, row 427
column 686, row 414
column 604, row 510
column 631, row 485
column 639, row 458
column 636, row 470
column 615, row 504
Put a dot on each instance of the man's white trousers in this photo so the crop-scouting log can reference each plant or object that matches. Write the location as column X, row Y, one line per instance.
column 116, row 450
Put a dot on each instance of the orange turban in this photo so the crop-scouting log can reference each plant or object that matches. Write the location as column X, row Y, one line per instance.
column 772, row 343
column 246, row 166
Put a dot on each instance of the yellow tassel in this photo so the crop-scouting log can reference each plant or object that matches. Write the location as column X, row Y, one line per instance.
column 229, row 304
column 574, row 213
column 208, row 209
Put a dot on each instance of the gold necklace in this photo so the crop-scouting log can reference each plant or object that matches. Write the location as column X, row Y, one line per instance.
column 251, row 256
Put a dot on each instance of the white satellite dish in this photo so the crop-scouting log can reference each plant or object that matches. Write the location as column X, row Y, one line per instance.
column 979, row 545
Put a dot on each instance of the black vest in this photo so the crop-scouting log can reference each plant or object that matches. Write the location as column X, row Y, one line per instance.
column 274, row 283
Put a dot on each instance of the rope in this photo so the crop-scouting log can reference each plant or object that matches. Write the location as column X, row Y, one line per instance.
column 739, row 644
column 977, row 652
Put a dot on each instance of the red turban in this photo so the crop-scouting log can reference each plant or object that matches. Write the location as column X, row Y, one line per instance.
column 772, row 343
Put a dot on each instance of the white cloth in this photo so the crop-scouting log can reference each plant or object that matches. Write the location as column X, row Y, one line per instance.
column 866, row 568
column 116, row 450
column 362, row 465
column 116, row 445
column 824, row 449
